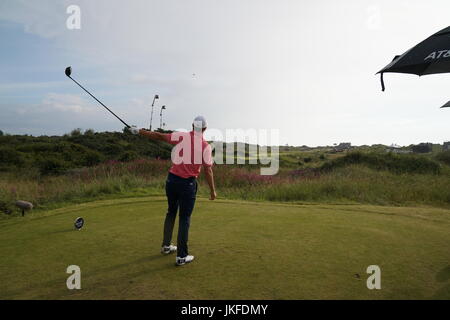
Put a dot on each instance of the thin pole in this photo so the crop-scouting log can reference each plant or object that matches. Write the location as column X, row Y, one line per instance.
column 160, row 115
column 151, row 115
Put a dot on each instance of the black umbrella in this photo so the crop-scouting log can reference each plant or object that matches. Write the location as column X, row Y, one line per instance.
column 428, row 57
column 447, row 105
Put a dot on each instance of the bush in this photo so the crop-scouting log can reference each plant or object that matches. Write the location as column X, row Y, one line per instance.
column 75, row 132
column 92, row 158
column 10, row 156
column 51, row 166
column 75, row 150
column 387, row 161
column 128, row 156
column 444, row 157
column 39, row 147
column 5, row 207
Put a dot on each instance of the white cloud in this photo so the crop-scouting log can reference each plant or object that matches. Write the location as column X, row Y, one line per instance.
column 65, row 102
column 44, row 18
column 13, row 86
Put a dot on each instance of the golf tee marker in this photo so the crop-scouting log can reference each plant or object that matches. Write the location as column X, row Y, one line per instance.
column 79, row 223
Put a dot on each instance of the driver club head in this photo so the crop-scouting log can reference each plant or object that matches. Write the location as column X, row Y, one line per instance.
column 79, row 223
column 68, row 71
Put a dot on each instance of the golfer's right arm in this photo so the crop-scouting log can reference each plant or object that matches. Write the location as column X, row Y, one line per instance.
column 210, row 179
column 153, row 135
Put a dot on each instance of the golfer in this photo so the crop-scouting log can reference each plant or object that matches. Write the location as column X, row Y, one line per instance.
column 191, row 152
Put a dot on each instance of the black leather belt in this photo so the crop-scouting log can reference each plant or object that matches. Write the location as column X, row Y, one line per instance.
column 178, row 177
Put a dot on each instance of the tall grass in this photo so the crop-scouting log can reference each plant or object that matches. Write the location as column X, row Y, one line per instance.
column 97, row 182
column 355, row 183
column 406, row 163
column 338, row 183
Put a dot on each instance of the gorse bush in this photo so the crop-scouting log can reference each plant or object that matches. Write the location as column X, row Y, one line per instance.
column 395, row 163
column 129, row 156
column 51, row 165
column 10, row 156
column 76, row 132
column 55, row 155
column 444, row 157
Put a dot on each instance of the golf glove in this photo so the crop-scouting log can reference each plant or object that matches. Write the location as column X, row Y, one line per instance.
column 134, row 130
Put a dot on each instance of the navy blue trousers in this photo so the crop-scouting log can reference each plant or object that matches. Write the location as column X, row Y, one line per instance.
column 181, row 194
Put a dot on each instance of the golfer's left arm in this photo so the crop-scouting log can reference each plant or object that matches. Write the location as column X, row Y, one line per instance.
column 210, row 179
column 207, row 165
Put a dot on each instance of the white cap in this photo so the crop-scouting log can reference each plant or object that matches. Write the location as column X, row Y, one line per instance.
column 200, row 122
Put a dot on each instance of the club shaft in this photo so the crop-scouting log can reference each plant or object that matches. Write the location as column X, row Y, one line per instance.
column 128, row 126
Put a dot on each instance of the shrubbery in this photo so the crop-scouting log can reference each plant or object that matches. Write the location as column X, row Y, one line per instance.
column 386, row 161
column 444, row 157
column 54, row 155
column 10, row 156
column 51, row 165
column 128, row 156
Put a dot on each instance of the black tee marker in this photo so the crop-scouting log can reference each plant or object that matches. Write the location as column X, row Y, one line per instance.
column 79, row 223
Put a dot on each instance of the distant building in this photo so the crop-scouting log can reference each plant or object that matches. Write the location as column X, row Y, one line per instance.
column 394, row 148
column 422, row 148
column 343, row 146
column 446, row 146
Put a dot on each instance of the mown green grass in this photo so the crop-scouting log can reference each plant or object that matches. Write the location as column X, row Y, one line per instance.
column 244, row 250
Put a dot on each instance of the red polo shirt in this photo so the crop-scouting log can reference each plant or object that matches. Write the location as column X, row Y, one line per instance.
column 190, row 153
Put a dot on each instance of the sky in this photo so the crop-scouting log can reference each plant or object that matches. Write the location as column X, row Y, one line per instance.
column 305, row 68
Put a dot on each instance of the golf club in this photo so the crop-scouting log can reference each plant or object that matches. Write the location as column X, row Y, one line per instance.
column 68, row 74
